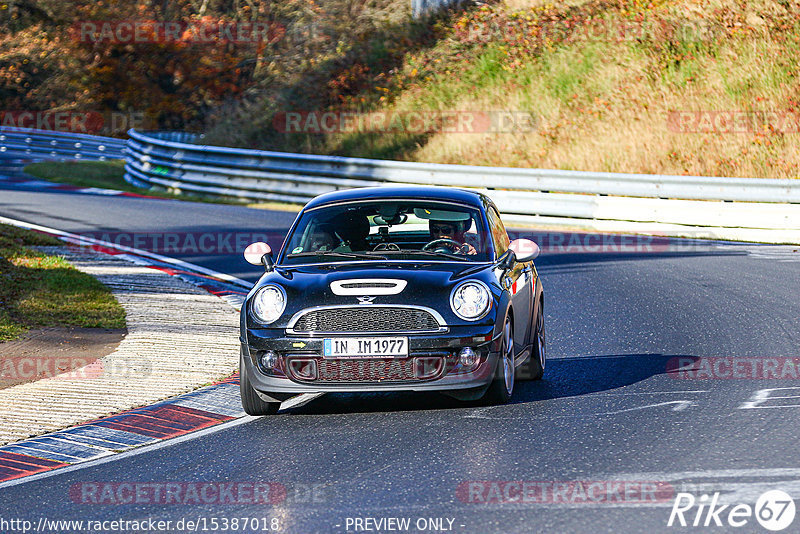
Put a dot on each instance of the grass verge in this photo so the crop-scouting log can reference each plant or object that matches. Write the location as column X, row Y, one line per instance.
column 38, row 290
column 687, row 87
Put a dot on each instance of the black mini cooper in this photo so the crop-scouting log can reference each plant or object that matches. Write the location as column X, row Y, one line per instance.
column 393, row 289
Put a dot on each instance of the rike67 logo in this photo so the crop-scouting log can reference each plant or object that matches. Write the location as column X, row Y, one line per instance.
column 774, row 510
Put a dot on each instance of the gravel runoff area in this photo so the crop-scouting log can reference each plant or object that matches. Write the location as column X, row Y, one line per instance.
column 180, row 337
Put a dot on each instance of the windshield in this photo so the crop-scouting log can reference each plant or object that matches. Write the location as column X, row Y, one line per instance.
column 389, row 230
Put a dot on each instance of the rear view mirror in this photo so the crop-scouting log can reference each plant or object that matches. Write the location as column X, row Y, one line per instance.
column 524, row 250
column 259, row 253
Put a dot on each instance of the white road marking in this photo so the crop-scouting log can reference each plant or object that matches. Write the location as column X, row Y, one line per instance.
column 763, row 395
column 82, row 240
column 680, row 405
column 780, row 253
column 650, row 393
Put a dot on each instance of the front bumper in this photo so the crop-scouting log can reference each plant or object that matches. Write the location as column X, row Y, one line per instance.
column 398, row 374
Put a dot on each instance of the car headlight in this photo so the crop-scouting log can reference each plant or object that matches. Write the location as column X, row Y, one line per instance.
column 268, row 303
column 471, row 300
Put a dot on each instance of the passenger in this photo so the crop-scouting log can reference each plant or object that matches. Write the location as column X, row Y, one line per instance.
column 321, row 239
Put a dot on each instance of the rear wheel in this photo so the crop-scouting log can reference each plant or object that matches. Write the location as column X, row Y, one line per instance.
column 502, row 387
column 251, row 402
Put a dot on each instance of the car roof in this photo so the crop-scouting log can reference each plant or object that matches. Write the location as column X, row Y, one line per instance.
column 412, row 192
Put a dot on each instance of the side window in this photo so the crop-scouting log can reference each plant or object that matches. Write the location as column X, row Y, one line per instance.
column 499, row 234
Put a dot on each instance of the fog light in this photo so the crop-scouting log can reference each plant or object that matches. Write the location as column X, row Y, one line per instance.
column 303, row 368
column 468, row 357
column 428, row 367
column 268, row 360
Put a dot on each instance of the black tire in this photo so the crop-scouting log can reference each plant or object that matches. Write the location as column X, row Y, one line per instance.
column 251, row 402
column 533, row 368
column 502, row 386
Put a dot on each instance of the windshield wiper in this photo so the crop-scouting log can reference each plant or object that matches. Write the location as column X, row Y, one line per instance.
column 354, row 255
column 428, row 252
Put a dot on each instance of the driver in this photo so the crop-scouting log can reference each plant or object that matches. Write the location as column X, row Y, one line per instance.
column 453, row 230
column 352, row 230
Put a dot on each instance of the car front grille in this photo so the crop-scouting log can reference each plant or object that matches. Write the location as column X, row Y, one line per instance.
column 367, row 319
column 371, row 370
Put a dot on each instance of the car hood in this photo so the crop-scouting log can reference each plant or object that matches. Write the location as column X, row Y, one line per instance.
column 427, row 284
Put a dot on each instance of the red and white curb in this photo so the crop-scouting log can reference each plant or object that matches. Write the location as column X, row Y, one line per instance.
column 190, row 412
column 200, row 409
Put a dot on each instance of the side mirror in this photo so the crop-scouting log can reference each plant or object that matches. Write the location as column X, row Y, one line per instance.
column 524, row 250
column 259, row 253
column 507, row 260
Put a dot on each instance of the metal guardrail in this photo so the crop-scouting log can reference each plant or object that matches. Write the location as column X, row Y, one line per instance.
column 176, row 160
column 155, row 159
column 33, row 144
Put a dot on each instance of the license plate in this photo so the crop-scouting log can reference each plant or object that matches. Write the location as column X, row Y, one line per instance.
column 360, row 347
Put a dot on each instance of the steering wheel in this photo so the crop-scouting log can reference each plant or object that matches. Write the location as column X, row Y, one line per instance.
column 445, row 243
column 387, row 246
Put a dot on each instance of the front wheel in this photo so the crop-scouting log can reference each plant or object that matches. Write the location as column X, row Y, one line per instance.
column 502, row 386
column 533, row 368
column 251, row 402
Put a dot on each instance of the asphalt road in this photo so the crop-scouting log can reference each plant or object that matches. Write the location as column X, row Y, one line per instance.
column 606, row 412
